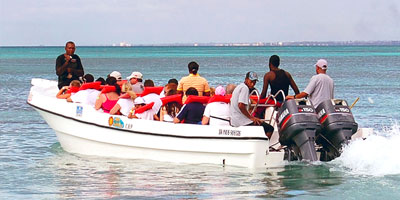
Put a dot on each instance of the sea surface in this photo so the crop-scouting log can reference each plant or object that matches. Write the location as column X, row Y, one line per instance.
column 34, row 166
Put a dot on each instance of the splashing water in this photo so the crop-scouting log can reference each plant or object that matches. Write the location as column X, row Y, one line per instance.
column 377, row 155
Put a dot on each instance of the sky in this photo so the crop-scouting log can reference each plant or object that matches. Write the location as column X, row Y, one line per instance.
column 106, row 22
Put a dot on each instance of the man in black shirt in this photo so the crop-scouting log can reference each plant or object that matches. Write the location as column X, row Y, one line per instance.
column 68, row 66
column 278, row 79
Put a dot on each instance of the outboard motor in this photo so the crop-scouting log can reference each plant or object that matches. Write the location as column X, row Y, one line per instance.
column 337, row 127
column 297, row 126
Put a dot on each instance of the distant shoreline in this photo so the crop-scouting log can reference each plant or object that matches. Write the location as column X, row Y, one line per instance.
column 253, row 44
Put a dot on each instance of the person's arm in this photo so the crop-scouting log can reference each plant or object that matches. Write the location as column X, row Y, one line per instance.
column 297, row 96
column 99, row 101
column 61, row 93
column 242, row 108
column 62, row 68
column 265, row 85
column 181, row 115
column 115, row 109
column 205, row 120
column 292, row 83
column 206, row 89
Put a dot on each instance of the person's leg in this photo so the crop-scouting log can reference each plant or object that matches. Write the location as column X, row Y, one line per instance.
column 268, row 129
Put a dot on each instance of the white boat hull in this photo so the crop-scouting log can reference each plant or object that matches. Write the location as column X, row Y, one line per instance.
column 82, row 130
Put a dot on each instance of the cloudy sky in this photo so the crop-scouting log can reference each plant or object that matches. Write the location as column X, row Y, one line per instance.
column 104, row 22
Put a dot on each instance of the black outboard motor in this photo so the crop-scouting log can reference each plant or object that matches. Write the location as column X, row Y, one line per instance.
column 297, row 125
column 338, row 126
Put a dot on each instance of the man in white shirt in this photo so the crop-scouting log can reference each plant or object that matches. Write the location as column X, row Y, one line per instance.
column 239, row 114
column 320, row 87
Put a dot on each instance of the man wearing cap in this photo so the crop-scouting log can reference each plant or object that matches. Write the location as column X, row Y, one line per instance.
column 136, row 81
column 68, row 66
column 239, row 114
column 320, row 87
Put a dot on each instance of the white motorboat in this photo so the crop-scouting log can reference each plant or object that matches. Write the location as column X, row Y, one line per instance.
column 81, row 129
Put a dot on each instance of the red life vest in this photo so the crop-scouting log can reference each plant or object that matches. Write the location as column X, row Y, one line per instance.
column 199, row 99
column 149, row 90
column 108, row 88
column 72, row 90
column 219, row 98
column 172, row 98
column 92, row 85
column 144, row 108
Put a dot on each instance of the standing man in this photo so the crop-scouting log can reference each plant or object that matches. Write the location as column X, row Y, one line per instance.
column 279, row 79
column 320, row 87
column 193, row 80
column 239, row 114
column 68, row 66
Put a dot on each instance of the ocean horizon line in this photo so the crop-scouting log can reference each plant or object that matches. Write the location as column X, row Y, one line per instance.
column 237, row 44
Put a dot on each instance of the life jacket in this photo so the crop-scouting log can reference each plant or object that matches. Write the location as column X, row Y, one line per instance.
column 199, row 99
column 219, row 98
column 144, row 108
column 149, row 90
column 72, row 90
column 108, row 88
column 172, row 98
column 92, row 85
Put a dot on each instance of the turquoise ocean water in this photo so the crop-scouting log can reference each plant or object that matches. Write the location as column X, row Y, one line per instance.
column 34, row 166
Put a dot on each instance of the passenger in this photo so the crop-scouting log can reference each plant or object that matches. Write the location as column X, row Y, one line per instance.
column 116, row 74
column 136, row 81
column 320, row 87
column 153, row 97
column 279, row 79
column 172, row 84
column 68, row 66
column 216, row 113
column 87, row 96
column 148, row 83
column 229, row 88
column 107, row 101
column 171, row 109
column 148, row 114
column 101, row 79
column 191, row 113
column 66, row 91
column 239, row 115
column 193, row 80
column 124, row 104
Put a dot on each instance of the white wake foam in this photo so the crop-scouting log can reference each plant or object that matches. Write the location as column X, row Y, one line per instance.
column 378, row 155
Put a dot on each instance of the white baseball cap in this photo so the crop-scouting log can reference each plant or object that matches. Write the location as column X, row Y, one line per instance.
column 116, row 75
column 135, row 75
column 322, row 63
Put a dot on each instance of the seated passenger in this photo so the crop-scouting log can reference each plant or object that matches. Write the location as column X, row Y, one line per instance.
column 191, row 113
column 147, row 114
column 217, row 112
column 125, row 101
column 107, row 99
column 88, row 95
column 136, row 81
column 171, row 109
column 66, row 91
column 101, row 79
column 116, row 74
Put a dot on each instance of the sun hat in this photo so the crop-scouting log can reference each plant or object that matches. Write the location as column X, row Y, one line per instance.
column 116, row 75
column 322, row 63
column 137, row 75
column 252, row 76
column 220, row 91
column 139, row 100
